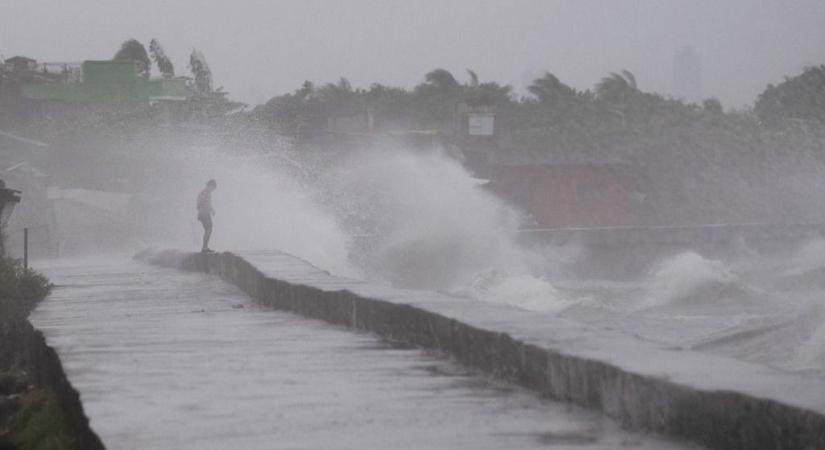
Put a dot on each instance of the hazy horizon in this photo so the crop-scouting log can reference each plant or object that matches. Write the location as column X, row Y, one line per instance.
column 744, row 44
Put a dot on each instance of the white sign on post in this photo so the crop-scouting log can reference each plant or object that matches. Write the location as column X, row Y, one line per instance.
column 480, row 124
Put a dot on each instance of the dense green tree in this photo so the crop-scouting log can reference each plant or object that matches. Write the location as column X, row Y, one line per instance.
column 436, row 99
column 800, row 99
column 307, row 90
column 391, row 106
column 487, row 94
column 297, row 114
column 713, row 106
column 339, row 98
column 616, row 121
column 133, row 51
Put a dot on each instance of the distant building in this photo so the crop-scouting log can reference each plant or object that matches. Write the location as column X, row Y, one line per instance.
column 20, row 64
column 31, row 91
column 106, row 82
column 687, row 75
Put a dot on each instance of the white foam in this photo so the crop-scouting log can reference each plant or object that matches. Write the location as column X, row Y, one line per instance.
column 810, row 257
column 682, row 277
column 520, row 290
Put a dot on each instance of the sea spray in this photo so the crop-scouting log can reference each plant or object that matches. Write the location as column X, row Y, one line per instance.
column 811, row 354
column 431, row 225
column 410, row 218
column 263, row 202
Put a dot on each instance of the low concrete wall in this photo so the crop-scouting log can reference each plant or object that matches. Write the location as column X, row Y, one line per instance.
column 713, row 401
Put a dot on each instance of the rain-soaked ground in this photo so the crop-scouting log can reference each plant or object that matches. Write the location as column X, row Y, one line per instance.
column 171, row 360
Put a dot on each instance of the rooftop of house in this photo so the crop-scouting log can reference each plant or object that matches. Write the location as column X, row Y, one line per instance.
column 19, row 58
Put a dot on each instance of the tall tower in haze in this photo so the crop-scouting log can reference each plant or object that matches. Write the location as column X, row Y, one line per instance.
column 687, row 75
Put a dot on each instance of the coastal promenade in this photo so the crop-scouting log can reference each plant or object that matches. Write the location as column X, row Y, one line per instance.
column 165, row 359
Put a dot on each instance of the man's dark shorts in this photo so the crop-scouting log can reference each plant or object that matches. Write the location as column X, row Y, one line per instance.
column 206, row 220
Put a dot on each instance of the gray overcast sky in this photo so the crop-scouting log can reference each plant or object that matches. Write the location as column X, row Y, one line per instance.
column 258, row 48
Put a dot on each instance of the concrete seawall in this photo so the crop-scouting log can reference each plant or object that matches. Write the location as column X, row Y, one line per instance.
column 23, row 347
column 714, row 401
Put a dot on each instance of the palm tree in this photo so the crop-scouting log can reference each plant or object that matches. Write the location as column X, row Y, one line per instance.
column 550, row 90
column 201, row 72
column 165, row 66
column 473, row 78
column 616, row 87
column 338, row 97
column 713, row 106
column 441, row 79
column 800, row 99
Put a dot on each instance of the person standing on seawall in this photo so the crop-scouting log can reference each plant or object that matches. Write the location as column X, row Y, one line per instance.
column 205, row 213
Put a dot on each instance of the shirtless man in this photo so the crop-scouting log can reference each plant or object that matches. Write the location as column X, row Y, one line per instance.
column 205, row 213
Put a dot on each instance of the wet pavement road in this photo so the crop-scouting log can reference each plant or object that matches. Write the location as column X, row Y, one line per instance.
column 172, row 360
